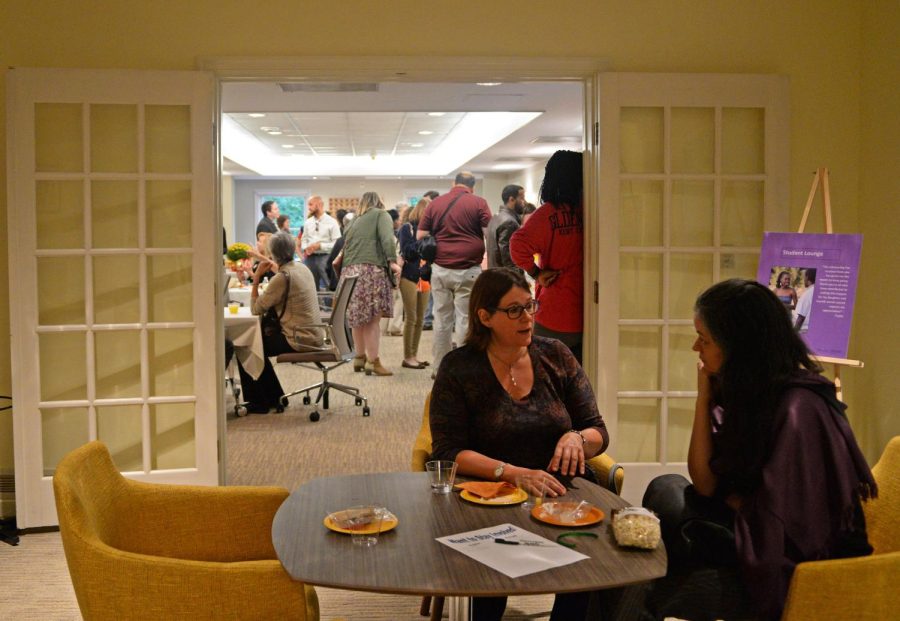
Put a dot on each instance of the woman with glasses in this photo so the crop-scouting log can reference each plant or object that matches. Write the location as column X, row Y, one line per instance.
column 508, row 403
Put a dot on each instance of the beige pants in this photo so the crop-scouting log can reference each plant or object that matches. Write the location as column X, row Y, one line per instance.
column 414, row 304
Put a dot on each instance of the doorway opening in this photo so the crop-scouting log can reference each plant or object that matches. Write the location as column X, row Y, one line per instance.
column 378, row 121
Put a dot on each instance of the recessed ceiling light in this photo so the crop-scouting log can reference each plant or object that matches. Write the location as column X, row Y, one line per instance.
column 287, row 146
column 416, row 145
column 489, row 83
column 436, row 113
column 425, row 132
column 274, row 133
column 256, row 115
column 269, row 129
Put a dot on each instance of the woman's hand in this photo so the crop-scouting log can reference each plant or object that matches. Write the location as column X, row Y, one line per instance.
column 704, row 384
column 542, row 478
column 395, row 268
column 263, row 267
column 546, row 278
column 568, row 457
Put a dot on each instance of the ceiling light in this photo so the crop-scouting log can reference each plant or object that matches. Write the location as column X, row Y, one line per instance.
column 287, row 146
column 256, row 115
column 470, row 136
column 269, row 129
column 510, row 166
column 425, row 132
column 274, row 133
column 417, row 145
column 436, row 113
column 489, row 83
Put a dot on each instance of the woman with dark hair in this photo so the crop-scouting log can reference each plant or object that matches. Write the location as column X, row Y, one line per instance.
column 776, row 475
column 508, row 404
column 555, row 232
column 292, row 293
column 370, row 248
column 785, row 292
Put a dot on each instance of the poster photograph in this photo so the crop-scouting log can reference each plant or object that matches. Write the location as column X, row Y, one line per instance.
column 814, row 275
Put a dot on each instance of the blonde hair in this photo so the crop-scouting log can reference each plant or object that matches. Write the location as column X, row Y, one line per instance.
column 415, row 214
column 369, row 200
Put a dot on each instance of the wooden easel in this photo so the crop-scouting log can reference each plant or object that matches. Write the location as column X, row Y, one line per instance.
column 822, row 175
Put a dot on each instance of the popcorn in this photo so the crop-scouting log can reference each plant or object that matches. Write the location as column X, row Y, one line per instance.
column 636, row 527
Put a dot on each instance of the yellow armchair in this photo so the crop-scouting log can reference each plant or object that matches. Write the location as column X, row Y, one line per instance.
column 857, row 588
column 151, row 551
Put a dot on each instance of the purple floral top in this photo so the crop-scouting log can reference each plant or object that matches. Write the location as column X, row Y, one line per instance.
column 471, row 410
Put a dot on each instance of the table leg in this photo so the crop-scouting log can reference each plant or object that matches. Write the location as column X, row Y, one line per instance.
column 458, row 608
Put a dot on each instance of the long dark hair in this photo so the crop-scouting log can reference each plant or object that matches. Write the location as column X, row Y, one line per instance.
column 489, row 288
column 563, row 183
column 761, row 354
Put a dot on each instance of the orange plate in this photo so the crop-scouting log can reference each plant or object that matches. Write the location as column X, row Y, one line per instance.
column 389, row 523
column 593, row 516
column 513, row 498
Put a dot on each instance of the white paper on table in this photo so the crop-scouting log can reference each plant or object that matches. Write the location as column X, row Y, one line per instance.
column 512, row 560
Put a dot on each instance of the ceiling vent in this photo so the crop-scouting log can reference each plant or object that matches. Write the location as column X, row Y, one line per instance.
column 329, row 87
column 557, row 140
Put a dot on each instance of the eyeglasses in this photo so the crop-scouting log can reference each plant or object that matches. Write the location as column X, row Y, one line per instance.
column 515, row 311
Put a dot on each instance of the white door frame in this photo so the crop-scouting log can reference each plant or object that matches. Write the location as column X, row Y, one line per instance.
column 452, row 69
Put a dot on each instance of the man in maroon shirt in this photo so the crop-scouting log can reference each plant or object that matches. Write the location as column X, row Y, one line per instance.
column 460, row 248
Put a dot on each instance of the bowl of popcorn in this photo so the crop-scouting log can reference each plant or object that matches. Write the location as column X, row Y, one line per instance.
column 636, row 527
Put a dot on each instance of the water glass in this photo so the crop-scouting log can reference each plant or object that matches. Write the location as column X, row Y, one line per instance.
column 536, row 489
column 441, row 475
column 365, row 522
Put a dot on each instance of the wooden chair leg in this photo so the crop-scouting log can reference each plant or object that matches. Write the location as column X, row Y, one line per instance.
column 437, row 609
column 426, row 605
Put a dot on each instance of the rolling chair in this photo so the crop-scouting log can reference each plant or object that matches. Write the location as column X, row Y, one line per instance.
column 610, row 474
column 336, row 351
column 153, row 551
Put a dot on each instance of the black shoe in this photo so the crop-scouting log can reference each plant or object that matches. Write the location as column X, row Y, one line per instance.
column 427, row 326
column 257, row 408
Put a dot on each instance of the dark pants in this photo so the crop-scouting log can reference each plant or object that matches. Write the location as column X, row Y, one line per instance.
column 263, row 393
column 703, row 579
column 318, row 265
column 566, row 607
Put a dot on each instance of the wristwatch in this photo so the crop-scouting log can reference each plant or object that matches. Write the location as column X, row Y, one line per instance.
column 498, row 471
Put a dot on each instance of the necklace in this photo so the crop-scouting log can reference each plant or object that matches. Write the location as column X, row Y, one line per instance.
column 509, row 366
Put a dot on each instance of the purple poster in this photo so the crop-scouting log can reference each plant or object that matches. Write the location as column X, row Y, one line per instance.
column 814, row 275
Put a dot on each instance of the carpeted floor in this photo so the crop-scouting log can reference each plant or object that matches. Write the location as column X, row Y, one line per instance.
column 279, row 449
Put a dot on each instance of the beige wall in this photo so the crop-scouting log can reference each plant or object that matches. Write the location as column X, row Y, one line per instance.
column 841, row 58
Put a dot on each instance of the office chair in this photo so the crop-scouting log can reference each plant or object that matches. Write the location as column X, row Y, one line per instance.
column 336, row 351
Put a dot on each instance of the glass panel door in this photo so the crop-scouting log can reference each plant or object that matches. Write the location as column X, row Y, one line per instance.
column 692, row 172
column 111, row 205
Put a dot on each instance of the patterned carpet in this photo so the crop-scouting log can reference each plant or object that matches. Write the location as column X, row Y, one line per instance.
column 286, row 450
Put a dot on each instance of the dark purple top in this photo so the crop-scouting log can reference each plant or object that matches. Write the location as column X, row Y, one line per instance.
column 807, row 507
column 471, row 410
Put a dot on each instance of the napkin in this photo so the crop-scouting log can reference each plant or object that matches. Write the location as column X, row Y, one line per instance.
column 486, row 489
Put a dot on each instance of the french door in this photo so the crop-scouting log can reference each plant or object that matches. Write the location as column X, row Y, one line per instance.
column 690, row 170
column 112, row 254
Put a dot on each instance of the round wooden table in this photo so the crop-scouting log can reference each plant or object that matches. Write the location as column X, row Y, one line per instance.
column 408, row 560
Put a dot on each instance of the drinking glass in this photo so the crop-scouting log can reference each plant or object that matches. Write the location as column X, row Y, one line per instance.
column 441, row 475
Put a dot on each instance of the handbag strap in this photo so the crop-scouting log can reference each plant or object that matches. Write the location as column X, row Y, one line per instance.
column 284, row 298
column 444, row 215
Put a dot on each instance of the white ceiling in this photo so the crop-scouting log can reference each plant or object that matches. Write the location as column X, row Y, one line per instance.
column 367, row 120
